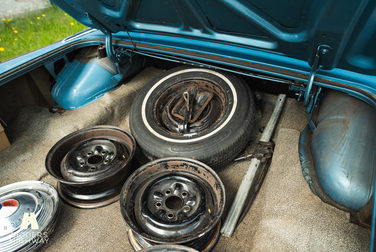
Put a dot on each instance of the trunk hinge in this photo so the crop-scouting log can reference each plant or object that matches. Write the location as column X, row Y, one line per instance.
column 321, row 57
column 114, row 57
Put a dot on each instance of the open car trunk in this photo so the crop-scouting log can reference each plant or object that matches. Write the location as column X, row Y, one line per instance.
column 286, row 215
column 318, row 192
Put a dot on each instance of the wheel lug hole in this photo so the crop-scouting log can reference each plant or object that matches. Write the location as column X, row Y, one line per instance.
column 82, row 163
column 168, row 192
column 170, row 216
column 92, row 168
column 187, row 209
column 103, row 152
column 158, row 204
column 184, row 194
column 89, row 153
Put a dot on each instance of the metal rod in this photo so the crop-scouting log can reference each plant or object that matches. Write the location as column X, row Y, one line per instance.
column 269, row 129
column 233, row 215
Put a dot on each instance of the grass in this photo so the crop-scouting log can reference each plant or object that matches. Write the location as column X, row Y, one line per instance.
column 34, row 30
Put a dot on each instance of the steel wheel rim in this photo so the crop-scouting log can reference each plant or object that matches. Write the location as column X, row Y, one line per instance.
column 200, row 102
column 169, row 248
column 204, row 244
column 220, row 78
column 93, row 157
column 80, row 185
column 139, row 188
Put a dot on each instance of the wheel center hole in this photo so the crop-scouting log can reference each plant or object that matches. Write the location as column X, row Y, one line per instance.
column 174, row 202
column 95, row 159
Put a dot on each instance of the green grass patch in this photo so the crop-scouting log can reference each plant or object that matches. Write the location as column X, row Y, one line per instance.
column 35, row 30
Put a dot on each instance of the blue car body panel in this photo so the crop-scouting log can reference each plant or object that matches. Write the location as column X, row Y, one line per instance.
column 344, row 149
column 263, row 35
column 209, row 51
column 84, row 81
column 291, row 28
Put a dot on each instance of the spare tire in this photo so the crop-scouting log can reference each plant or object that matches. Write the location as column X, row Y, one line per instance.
column 193, row 112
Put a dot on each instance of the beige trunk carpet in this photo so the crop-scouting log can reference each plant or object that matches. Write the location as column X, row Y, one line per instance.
column 285, row 216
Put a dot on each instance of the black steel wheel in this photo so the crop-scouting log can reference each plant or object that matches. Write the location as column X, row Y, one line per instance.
column 168, row 248
column 193, row 112
column 173, row 200
column 91, row 165
column 204, row 244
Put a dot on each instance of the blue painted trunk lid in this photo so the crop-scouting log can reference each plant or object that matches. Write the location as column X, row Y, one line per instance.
column 292, row 28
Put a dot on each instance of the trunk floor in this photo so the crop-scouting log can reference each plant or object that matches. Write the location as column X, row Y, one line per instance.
column 286, row 215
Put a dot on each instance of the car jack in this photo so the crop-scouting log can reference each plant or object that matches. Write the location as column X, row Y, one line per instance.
column 244, row 188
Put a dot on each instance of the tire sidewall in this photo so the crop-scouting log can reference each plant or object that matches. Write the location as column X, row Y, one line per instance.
column 226, row 133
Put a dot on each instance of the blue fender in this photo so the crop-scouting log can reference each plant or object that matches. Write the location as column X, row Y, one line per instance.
column 88, row 78
column 344, row 149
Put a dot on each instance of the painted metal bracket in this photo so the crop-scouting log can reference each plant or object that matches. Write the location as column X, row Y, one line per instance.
column 299, row 89
column 118, row 58
column 321, row 57
column 317, row 97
